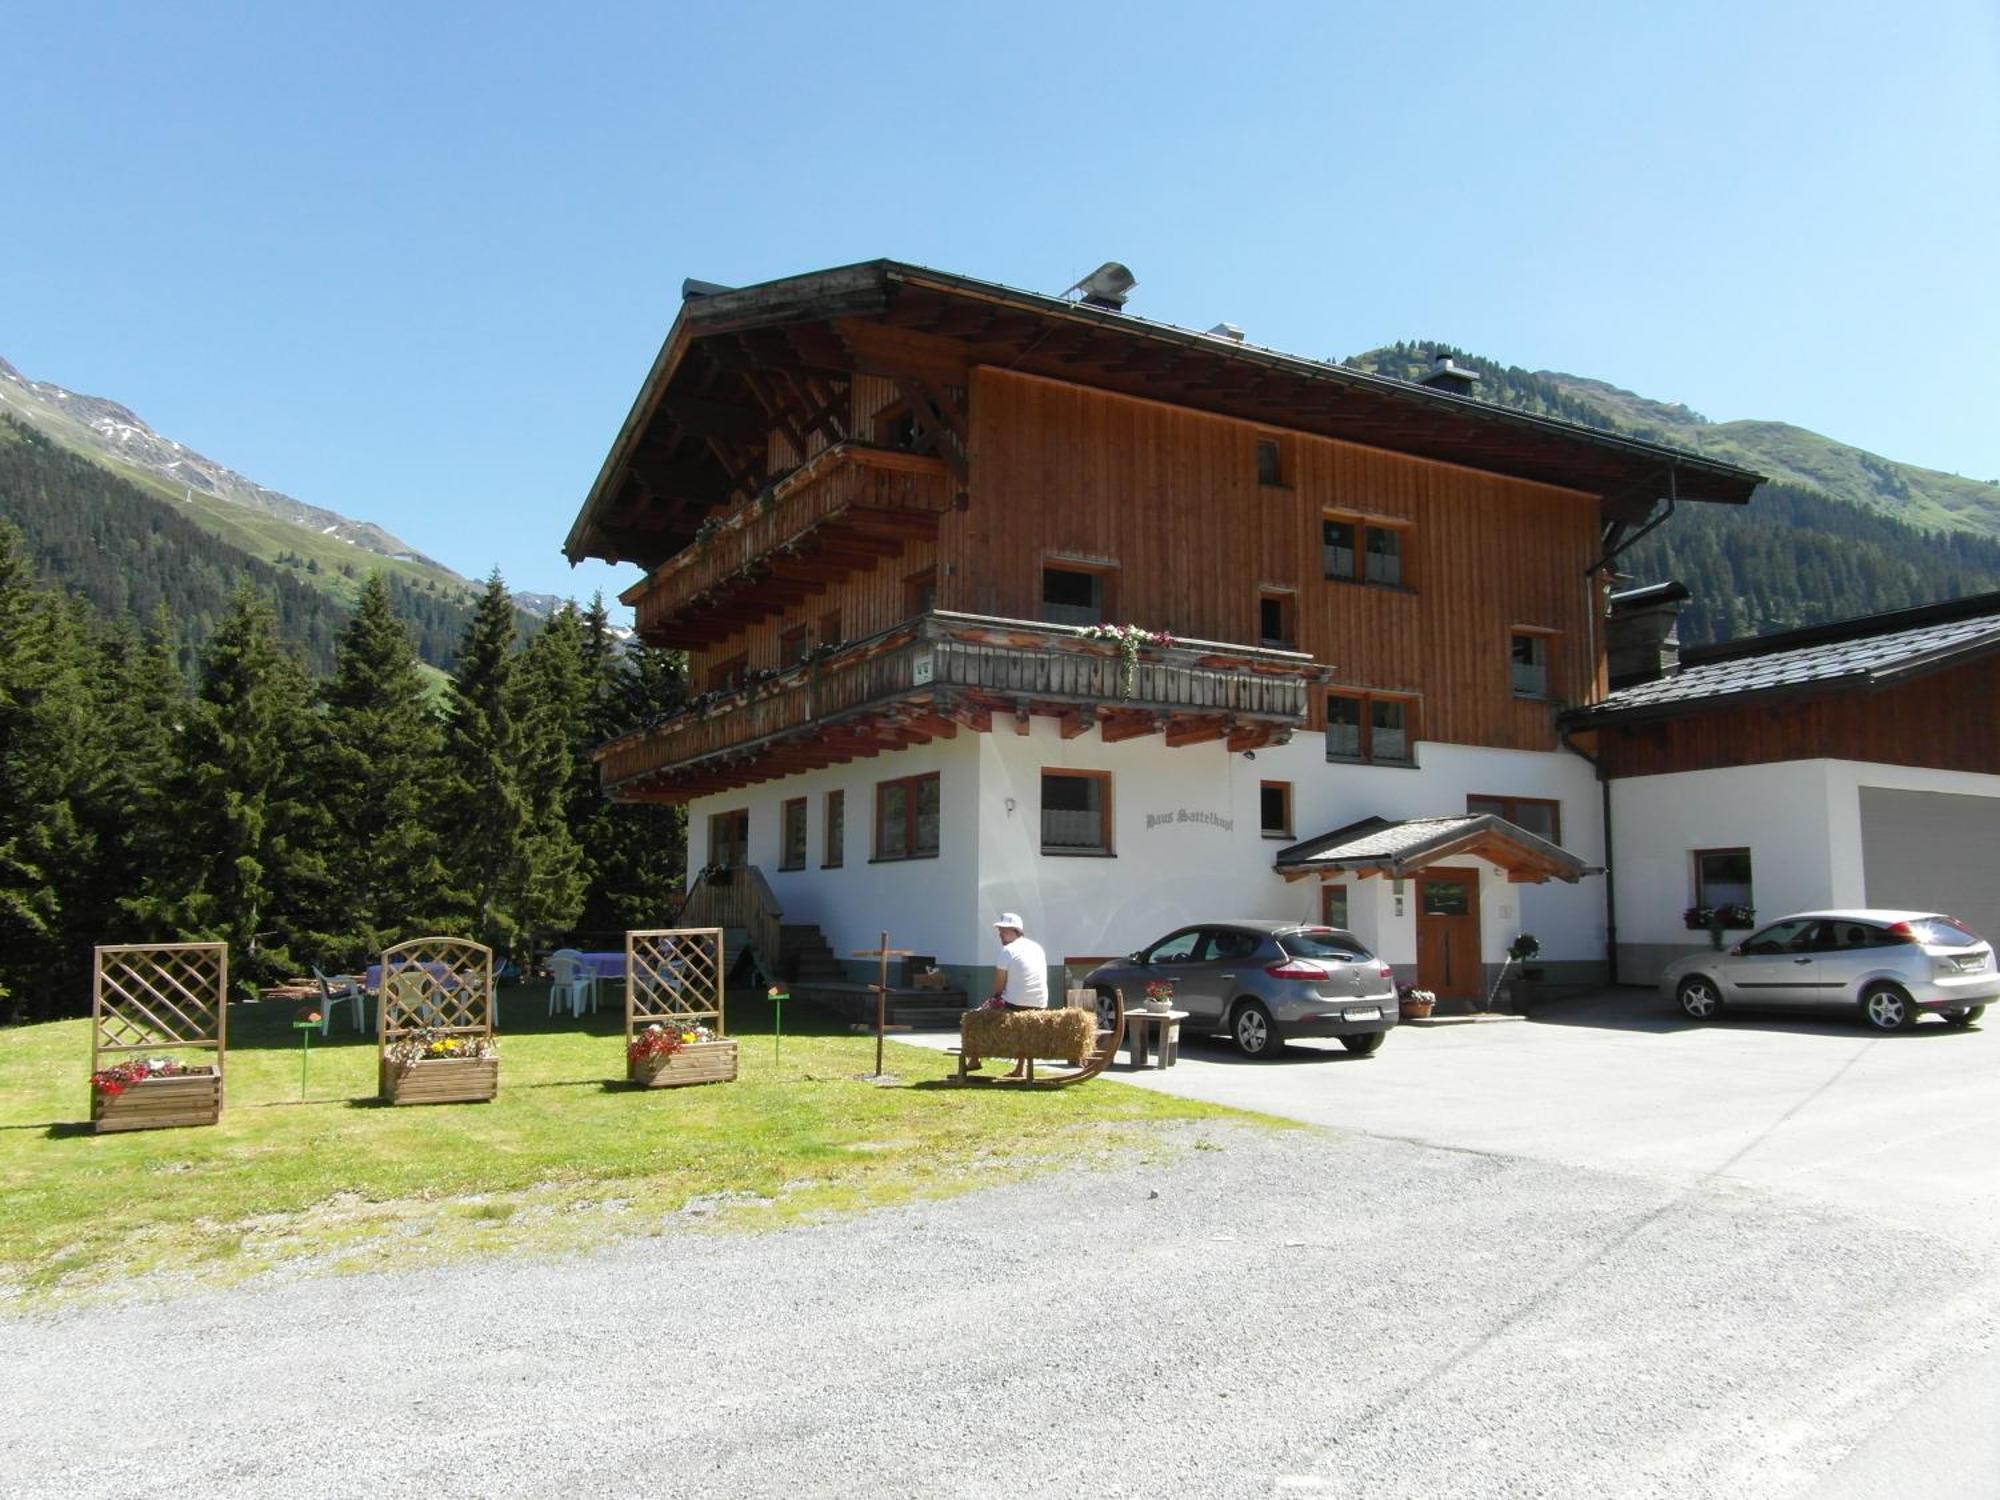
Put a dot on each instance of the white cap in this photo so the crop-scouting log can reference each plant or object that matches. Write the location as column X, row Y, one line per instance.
column 1011, row 919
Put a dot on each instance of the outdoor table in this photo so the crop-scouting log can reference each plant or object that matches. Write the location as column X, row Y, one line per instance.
column 372, row 981
column 1157, row 1032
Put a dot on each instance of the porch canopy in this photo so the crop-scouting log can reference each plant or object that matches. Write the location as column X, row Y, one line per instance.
column 1380, row 846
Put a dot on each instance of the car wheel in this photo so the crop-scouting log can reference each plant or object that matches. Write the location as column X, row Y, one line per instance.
column 1886, row 1008
column 1255, row 1032
column 1367, row 1044
column 1964, row 1015
column 1107, row 1010
column 1701, row 999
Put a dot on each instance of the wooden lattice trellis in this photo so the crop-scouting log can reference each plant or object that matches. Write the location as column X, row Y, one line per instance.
column 436, row 987
column 154, row 998
column 674, row 977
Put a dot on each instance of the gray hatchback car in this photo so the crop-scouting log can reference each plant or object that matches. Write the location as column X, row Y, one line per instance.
column 1887, row 967
column 1261, row 982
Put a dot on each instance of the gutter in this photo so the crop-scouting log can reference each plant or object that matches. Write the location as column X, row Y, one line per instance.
column 1610, row 864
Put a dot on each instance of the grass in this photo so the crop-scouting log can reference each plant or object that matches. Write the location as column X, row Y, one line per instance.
column 566, row 1157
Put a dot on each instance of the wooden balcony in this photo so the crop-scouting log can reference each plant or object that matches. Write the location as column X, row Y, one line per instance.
column 842, row 511
column 942, row 672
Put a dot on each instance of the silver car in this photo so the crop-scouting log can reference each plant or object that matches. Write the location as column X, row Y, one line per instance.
column 1261, row 982
column 1888, row 967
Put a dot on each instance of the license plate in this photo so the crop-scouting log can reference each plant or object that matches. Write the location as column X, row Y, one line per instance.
column 1363, row 1013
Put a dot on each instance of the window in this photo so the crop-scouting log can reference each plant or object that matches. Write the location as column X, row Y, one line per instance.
column 906, row 818
column 1333, row 906
column 1075, row 596
column 729, row 674
column 1178, row 949
column 1076, row 812
column 1536, row 814
column 829, row 628
column 920, row 592
column 792, row 645
column 1722, row 878
column 1275, row 615
column 729, row 838
column 793, row 855
column 1270, row 461
column 1531, row 664
column 1274, row 809
column 896, row 427
column 836, row 831
column 1362, row 727
column 1353, row 550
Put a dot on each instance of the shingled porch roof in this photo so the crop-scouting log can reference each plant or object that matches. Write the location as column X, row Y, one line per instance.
column 1398, row 849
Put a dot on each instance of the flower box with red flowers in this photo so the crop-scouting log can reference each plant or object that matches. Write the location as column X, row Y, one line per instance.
column 674, row 1055
column 154, row 1093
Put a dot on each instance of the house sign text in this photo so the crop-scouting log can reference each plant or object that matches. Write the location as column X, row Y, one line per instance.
column 1190, row 815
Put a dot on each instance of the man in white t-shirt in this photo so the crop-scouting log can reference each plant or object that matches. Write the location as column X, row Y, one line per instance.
column 1020, row 979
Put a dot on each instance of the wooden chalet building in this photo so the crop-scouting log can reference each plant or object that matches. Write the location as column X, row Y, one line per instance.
column 1845, row 765
column 883, row 508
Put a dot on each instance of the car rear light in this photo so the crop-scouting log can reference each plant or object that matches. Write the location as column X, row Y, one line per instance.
column 1298, row 968
column 1902, row 930
column 1385, row 972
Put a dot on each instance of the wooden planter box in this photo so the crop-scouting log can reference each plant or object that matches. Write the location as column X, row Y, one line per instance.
column 154, row 1103
column 442, row 1080
column 703, row 1062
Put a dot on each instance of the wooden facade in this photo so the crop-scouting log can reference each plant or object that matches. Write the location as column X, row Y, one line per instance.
column 824, row 461
column 1942, row 720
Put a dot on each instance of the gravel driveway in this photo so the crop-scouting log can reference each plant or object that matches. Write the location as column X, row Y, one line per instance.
column 1309, row 1312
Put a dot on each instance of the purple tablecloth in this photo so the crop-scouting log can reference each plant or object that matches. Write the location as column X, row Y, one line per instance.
column 604, row 965
column 372, row 981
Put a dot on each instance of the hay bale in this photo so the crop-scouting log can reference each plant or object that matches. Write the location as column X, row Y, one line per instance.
column 1066, row 1034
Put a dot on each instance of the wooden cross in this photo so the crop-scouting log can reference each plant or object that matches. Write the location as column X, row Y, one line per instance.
column 882, row 952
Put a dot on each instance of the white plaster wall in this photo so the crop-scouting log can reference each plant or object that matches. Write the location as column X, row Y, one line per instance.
column 1174, row 871
column 927, row 905
column 1780, row 813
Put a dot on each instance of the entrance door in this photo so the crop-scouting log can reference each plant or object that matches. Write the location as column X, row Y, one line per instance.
column 729, row 839
column 1448, row 962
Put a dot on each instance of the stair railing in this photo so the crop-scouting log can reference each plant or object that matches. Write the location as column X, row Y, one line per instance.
column 738, row 896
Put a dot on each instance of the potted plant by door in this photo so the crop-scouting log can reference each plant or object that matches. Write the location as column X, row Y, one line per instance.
column 1415, row 1004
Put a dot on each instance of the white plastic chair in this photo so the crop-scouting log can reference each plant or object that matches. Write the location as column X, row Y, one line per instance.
column 334, row 987
column 568, row 983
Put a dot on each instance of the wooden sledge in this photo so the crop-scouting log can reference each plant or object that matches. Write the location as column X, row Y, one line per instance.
column 1109, row 1036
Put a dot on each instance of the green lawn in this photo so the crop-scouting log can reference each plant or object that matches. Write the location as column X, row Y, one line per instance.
column 564, row 1158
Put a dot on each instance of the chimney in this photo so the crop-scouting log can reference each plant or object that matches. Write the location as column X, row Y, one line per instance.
column 1452, row 378
column 1226, row 331
column 1642, row 634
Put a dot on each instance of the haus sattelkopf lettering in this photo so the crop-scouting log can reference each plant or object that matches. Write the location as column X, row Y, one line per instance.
column 974, row 582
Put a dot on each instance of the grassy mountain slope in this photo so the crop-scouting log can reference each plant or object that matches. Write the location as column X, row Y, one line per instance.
column 1837, row 532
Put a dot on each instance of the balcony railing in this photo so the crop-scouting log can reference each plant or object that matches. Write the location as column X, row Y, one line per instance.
column 948, row 663
column 843, row 510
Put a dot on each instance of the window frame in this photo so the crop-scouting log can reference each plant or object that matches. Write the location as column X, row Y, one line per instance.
column 1278, row 474
column 829, row 628
column 913, row 790
column 1104, row 579
column 915, row 586
column 1365, row 754
column 1327, row 891
column 833, row 832
column 1509, row 805
column 1284, row 790
column 794, row 641
column 787, row 810
column 1365, row 526
column 1287, row 602
column 1105, row 849
column 1698, row 882
column 1545, row 641
column 729, row 674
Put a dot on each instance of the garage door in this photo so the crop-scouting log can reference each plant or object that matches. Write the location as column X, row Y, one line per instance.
column 1934, row 851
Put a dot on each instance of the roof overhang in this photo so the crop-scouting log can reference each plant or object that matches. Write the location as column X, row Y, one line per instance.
column 733, row 358
column 1399, row 849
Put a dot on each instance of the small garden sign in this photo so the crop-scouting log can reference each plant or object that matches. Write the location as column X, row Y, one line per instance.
column 153, row 1005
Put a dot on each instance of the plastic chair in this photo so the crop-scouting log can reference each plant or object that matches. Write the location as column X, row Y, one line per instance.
column 568, row 983
column 334, row 987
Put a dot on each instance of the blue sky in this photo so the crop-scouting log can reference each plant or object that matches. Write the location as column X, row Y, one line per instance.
column 411, row 261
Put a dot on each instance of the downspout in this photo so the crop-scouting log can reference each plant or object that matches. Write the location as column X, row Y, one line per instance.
column 1610, row 864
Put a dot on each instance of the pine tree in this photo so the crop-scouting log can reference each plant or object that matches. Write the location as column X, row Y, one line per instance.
column 249, row 866
column 555, row 710
column 639, row 848
column 379, row 774
column 483, row 815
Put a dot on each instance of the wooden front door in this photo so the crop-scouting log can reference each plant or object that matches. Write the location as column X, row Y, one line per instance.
column 1448, row 934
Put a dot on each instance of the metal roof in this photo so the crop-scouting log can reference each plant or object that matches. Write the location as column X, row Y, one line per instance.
column 1405, row 847
column 1851, row 654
